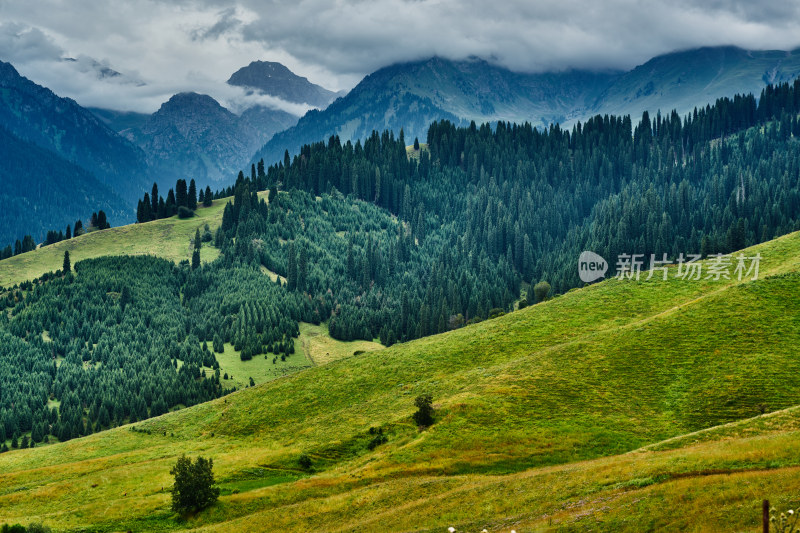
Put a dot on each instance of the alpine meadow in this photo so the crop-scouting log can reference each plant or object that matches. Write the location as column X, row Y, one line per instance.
column 466, row 281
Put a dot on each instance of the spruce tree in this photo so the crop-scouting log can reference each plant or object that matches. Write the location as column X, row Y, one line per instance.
column 181, row 194
column 192, row 199
column 66, row 266
column 209, row 197
column 154, row 200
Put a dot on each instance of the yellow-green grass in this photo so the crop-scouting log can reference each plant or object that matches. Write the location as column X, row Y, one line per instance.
column 410, row 152
column 260, row 367
column 314, row 346
column 322, row 349
column 169, row 238
column 540, row 414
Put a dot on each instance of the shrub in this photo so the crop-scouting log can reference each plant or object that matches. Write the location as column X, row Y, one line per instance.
column 185, row 212
column 542, row 291
column 304, row 461
column 424, row 415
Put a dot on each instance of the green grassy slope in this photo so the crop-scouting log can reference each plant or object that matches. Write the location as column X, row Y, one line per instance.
column 169, row 238
column 539, row 414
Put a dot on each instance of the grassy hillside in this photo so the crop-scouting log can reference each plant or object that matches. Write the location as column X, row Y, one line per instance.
column 539, row 416
column 169, row 238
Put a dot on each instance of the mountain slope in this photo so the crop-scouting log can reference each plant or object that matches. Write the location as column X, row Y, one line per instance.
column 685, row 80
column 193, row 135
column 274, row 79
column 410, row 96
column 597, row 372
column 42, row 191
column 36, row 115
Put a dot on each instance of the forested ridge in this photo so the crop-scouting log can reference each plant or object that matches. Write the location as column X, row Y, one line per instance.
column 483, row 210
column 380, row 244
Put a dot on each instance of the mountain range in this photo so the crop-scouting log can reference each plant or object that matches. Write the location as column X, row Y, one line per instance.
column 411, row 95
column 192, row 135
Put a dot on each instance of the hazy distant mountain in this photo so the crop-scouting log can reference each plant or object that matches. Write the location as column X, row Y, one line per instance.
column 42, row 191
column 120, row 121
column 410, row 95
column 275, row 79
column 193, row 136
column 36, row 115
column 685, row 80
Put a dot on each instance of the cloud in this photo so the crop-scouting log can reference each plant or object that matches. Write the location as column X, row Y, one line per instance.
column 227, row 23
column 186, row 45
column 20, row 43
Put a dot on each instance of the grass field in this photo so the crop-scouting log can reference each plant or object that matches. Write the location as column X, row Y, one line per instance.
column 314, row 346
column 322, row 349
column 169, row 238
column 586, row 412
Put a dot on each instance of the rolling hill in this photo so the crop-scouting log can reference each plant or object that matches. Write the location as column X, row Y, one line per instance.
column 555, row 417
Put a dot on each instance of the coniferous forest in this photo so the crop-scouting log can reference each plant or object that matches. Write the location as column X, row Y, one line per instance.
column 382, row 245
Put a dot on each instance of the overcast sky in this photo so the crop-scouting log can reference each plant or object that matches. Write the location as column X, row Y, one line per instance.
column 165, row 47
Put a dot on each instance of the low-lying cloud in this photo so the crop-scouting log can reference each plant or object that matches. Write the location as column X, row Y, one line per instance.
column 162, row 47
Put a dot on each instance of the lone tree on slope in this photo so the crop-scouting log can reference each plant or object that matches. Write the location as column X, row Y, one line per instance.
column 194, row 488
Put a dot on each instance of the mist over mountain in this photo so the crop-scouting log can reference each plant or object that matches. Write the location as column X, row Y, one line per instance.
column 694, row 78
column 410, row 95
column 36, row 115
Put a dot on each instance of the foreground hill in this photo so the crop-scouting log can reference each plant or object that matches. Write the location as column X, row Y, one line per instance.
column 533, row 410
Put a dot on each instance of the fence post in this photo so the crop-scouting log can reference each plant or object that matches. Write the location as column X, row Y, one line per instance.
column 765, row 515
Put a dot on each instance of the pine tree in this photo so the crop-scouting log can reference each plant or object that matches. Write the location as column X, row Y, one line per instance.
column 66, row 266
column 102, row 221
column 181, row 194
column 209, row 197
column 154, row 200
column 302, row 269
column 196, row 259
column 171, row 203
column 192, row 199
column 291, row 271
